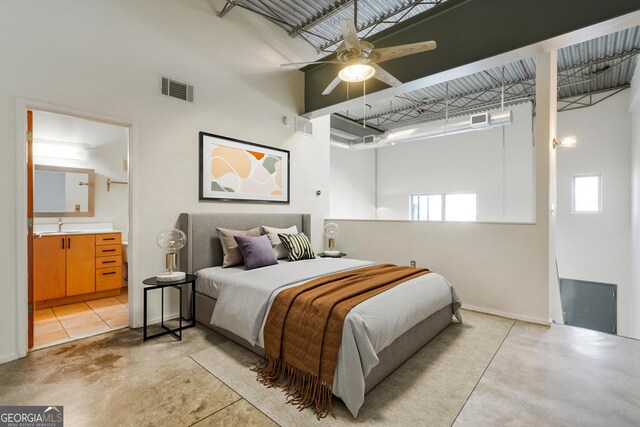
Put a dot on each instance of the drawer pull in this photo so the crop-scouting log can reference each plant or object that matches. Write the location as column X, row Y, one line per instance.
column 109, row 238
column 108, row 262
column 109, row 250
column 107, row 274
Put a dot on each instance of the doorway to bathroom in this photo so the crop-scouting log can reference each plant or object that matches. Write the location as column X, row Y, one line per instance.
column 78, row 209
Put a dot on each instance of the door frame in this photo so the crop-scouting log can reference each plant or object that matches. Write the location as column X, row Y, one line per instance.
column 22, row 262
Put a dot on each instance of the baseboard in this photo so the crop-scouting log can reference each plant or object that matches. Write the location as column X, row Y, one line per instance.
column 76, row 298
column 505, row 314
column 154, row 320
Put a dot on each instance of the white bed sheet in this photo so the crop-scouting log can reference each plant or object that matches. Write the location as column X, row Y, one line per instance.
column 209, row 279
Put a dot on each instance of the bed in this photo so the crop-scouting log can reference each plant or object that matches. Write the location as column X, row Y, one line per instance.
column 379, row 334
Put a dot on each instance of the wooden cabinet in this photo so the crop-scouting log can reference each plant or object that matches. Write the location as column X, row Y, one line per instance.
column 108, row 261
column 81, row 264
column 108, row 278
column 76, row 265
column 108, row 239
column 49, row 268
column 109, row 250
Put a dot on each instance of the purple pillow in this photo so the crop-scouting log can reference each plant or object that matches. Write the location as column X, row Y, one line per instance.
column 257, row 251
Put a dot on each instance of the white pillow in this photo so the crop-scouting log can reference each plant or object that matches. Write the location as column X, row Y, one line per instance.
column 272, row 234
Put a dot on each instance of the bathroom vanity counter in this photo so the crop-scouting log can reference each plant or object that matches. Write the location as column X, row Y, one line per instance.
column 72, row 232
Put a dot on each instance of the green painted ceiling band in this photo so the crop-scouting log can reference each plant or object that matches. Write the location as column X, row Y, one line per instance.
column 466, row 31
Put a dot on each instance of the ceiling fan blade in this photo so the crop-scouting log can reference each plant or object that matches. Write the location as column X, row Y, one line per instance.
column 384, row 76
column 393, row 52
column 350, row 35
column 332, row 86
column 295, row 64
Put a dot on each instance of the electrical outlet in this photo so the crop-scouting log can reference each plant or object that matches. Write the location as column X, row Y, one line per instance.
column 413, row 263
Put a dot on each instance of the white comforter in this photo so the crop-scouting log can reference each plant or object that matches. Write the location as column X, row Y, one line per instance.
column 244, row 301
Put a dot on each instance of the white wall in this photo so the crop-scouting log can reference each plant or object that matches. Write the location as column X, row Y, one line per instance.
column 496, row 164
column 353, row 184
column 596, row 247
column 499, row 268
column 104, row 57
column 112, row 206
column 634, row 100
column 104, row 147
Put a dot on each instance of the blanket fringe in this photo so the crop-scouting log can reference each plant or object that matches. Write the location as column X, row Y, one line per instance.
column 302, row 389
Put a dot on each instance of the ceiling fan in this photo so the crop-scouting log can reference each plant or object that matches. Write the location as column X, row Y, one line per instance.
column 361, row 59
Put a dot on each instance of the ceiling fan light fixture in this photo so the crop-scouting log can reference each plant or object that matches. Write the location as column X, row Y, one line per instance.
column 356, row 73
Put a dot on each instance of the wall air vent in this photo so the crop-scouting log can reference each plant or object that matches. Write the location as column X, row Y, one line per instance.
column 480, row 120
column 368, row 139
column 304, row 126
column 176, row 89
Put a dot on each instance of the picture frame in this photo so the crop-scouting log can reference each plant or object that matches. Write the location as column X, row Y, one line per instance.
column 232, row 170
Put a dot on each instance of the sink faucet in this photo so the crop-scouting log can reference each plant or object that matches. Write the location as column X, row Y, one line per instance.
column 60, row 224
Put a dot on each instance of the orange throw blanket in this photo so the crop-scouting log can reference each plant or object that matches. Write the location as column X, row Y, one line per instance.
column 303, row 332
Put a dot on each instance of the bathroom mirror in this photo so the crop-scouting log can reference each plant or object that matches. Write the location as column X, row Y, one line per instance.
column 63, row 191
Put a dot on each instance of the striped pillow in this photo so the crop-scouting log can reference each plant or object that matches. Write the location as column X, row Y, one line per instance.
column 297, row 246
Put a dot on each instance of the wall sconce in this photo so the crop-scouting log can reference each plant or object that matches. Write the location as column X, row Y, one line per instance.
column 568, row 141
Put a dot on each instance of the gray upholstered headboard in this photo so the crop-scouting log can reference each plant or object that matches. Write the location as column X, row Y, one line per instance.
column 203, row 247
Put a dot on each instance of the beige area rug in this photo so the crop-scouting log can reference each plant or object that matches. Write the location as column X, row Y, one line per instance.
column 429, row 389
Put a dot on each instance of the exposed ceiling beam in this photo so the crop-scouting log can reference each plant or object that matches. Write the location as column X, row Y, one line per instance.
column 497, row 32
column 406, row 8
column 228, row 6
column 589, row 99
column 352, row 127
column 337, row 7
column 564, row 77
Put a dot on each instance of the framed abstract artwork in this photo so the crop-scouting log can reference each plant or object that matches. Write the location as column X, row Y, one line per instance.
column 238, row 171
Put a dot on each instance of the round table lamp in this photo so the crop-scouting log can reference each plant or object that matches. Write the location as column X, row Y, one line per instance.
column 171, row 241
column 331, row 230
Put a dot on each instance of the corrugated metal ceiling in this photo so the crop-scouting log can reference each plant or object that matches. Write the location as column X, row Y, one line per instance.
column 594, row 66
column 318, row 21
column 591, row 67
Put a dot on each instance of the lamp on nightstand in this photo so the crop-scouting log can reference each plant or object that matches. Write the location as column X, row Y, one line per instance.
column 171, row 241
column 331, row 231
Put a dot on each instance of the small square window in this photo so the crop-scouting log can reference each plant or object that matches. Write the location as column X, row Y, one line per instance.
column 587, row 194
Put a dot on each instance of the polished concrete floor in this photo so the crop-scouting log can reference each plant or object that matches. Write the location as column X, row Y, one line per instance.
column 538, row 376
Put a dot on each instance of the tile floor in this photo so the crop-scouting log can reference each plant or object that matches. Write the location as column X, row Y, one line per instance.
column 70, row 322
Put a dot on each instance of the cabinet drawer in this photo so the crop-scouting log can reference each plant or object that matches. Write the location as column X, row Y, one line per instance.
column 108, row 261
column 108, row 239
column 108, row 278
column 109, row 250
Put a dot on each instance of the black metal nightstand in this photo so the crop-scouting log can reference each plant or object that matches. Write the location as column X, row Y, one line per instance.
column 152, row 284
column 340, row 255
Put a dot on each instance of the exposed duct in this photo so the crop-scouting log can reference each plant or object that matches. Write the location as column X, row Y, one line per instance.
column 340, row 142
column 414, row 133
